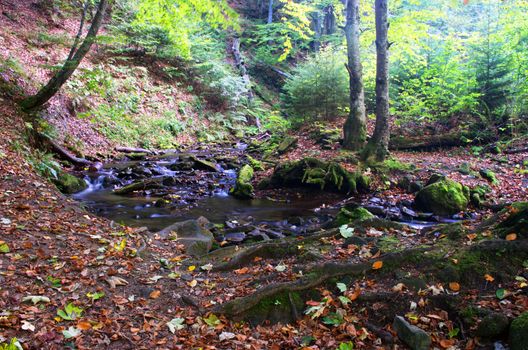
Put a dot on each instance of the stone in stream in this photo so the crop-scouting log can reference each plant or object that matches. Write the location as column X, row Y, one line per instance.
column 346, row 216
column 68, row 183
column 193, row 234
column 416, row 338
column 519, row 332
column 205, row 165
column 443, row 197
column 235, row 237
column 243, row 188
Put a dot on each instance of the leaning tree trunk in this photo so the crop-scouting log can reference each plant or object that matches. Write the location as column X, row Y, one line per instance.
column 354, row 130
column 72, row 62
column 270, row 11
column 378, row 146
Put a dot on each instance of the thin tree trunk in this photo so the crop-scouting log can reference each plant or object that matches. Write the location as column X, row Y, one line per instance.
column 270, row 11
column 354, row 130
column 71, row 64
column 378, row 145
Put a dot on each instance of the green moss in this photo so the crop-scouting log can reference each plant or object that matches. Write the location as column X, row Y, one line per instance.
column 478, row 194
column 388, row 244
column 515, row 222
column 348, row 216
column 243, row 188
column 286, row 144
column 518, row 332
column 69, row 184
column 255, row 164
column 489, row 175
column 277, row 308
column 444, row 197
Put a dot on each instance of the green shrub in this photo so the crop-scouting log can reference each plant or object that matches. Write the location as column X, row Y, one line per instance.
column 318, row 87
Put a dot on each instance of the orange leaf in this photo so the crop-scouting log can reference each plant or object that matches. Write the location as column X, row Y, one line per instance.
column 489, row 278
column 471, row 236
column 447, row 343
column 454, row 286
column 155, row 294
column 83, row 325
column 377, row 265
column 257, row 259
column 511, row 237
column 312, row 303
column 353, row 296
column 241, row 271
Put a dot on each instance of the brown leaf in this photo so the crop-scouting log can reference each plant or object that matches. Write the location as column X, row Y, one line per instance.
column 155, row 294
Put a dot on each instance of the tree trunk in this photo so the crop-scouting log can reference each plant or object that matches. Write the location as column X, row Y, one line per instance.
column 270, row 11
column 378, row 146
column 354, row 129
column 71, row 64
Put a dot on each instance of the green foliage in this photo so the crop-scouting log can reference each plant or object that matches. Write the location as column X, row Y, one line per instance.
column 70, row 312
column 13, row 344
column 318, row 87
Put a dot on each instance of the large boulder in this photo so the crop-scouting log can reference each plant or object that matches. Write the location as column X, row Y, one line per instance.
column 493, row 325
column 193, row 234
column 68, row 183
column 443, row 197
column 519, row 332
column 313, row 172
column 243, row 188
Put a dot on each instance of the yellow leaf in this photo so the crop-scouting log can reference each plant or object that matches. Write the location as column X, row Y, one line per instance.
column 377, row 265
column 193, row 283
column 454, row 286
column 511, row 237
column 489, row 278
column 191, row 268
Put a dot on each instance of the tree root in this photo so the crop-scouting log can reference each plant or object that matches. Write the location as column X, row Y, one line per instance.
column 317, row 276
column 273, row 250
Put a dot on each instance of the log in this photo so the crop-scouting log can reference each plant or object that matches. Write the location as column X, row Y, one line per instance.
column 65, row 154
column 133, row 150
column 451, row 139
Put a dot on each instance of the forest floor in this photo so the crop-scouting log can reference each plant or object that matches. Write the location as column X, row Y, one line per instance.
column 120, row 287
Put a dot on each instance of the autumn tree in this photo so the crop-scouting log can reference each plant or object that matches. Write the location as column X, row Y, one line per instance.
column 378, row 146
column 75, row 57
column 354, row 129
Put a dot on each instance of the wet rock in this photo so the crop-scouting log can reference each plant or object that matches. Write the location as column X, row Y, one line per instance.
column 258, row 235
column 493, row 325
column 136, row 156
column 243, row 188
column 140, row 186
column 68, row 183
column 416, row 338
column 96, row 166
column 409, row 212
column 518, row 332
column 288, row 143
column 193, row 234
column 443, row 197
column 205, row 165
column 408, row 184
column 235, row 237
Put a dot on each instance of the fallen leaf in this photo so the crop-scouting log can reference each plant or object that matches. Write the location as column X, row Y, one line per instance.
column 454, row 286
column 207, row 267
column 241, row 271
column 35, row 299
column 155, row 294
column 377, row 265
column 84, row 326
column 71, row 332
column 193, row 283
column 175, row 324
column 489, row 278
column 27, row 326
column 114, row 281
column 191, row 268
column 511, row 237
column 226, row 336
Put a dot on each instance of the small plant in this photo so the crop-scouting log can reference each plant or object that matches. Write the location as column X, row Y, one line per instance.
column 14, row 344
column 70, row 312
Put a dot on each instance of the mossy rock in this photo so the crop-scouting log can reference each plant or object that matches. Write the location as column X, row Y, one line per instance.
column 489, row 175
column 453, row 231
column 313, row 172
column 478, row 194
column 346, row 216
column 444, row 197
column 288, row 143
column 516, row 220
column 243, row 188
column 276, row 309
column 435, row 178
column 464, row 168
column 518, row 332
column 255, row 164
column 68, row 183
column 493, row 325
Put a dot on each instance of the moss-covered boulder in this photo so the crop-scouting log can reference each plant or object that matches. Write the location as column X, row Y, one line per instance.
column 68, row 183
column 313, row 172
column 478, row 194
column 243, row 188
column 519, row 332
column 515, row 220
column 444, row 197
column 346, row 216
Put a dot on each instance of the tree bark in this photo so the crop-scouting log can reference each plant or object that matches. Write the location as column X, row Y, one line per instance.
column 270, row 11
column 378, row 146
column 71, row 64
column 354, row 129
